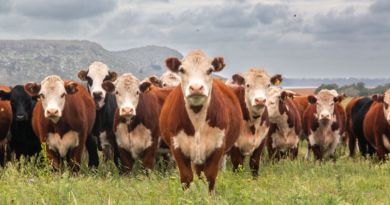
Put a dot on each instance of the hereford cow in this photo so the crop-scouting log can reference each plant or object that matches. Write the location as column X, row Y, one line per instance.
column 324, row 122
column 136, row 119
column 285, row 128
column 252, row 92
column 230, row 81
column 201, row 118
column 63, row 119
column 23, row 140
column 350, row 135
column 5, row 124
column 376, row 125
column 96, row 74
column 168, row 79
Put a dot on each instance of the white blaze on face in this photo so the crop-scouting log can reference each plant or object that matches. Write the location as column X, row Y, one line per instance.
column 386, row 107
column 325, row 104
column 127, row 94
column 97, row 74
column 170, row 79
column 257, row 87
column 195, row 69
column 273, row 103
column 53, row 95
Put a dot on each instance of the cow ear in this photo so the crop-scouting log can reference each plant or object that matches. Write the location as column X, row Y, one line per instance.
column 276, row 79
column 113, row 76
column 337, row 99
column 341, row 97
column 291, row 95
column 173, row 64
column 155, row 81
column 238, row 79
column 145, row 87
column 108, row 86
column 71, row 88
column 375, row 97
column 344, row 96
column 4, row 96
column 82, row 75
column 380, row 98
column 311, row 99
column 283, row 96
column 218, row 64
column 32, row 88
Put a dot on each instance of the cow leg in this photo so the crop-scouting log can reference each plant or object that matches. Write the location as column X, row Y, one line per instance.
column 53, row 157
column 127, row 160
column 199, row 169
column 294, row 152
column 93, row 156
column 235, row 156
column 223, row 161
column 317, row 151
column 352, row 144
column 254, row 162
column 2, row 152
column 184, row 164
column 307, row 156
column 75, row 158
column 363, row 147
column 211, row 167
column 149, row 154
column 371, row 149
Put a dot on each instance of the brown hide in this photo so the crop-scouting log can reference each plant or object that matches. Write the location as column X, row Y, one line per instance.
column 148, row 113
column 223, row 112
column 375, row 126
column 301, row 104
column 78, row 115
column 294, row 121
column 5, row 124
column 350, row 136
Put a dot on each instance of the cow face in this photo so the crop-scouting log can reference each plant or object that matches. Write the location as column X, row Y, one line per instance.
column 257, row 84
column 127, row 90
column 325, row 101
column 385, row 100
column 21, row 102
column 275, row 101
column 97, row 74
column 168, row 79
column 52, row 92
column 196, row 75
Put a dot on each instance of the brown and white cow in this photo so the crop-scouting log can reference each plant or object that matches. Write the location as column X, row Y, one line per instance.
column 376, row 125
column 5, row 124
column 230, row 81
column 252, row 91
column 285, row 129
column 168, row 79
column 324, row 122
column 63, row 118
column 136, row 123
column 201, row 118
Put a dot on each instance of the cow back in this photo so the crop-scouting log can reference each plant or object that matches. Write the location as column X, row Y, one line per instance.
column 375, row 124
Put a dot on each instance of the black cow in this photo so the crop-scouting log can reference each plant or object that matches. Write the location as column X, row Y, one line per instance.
column 23, row 139
column 358, row 113
column 106, row 106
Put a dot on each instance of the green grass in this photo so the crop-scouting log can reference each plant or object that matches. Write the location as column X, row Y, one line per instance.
column 353, row 181
column 345, row 102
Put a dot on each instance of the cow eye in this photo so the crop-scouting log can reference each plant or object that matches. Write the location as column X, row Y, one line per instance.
column 89, row 81
column 210, row 71
column 137, row 92
column 117, row 93
column 164, row 85
column 247, row 85
column 106, row 78
column 181, row 70
column 386, row 105
column 63, row 95
column 269, row 85
column 42, row 96
column 332, row 104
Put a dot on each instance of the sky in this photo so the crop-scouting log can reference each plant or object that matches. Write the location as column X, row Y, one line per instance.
column 326, row 38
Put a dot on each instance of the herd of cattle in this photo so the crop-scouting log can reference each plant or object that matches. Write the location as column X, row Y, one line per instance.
column 199, row 118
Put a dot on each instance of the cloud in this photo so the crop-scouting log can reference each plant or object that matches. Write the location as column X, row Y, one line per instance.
column 63, row 10
column 5, row 6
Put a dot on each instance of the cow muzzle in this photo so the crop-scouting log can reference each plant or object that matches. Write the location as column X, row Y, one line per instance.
column 196, row 90
column 21, row 118
column 127, row 112
column 259, row 102
column 53, row 114
column 325, row 116
column 97, row 95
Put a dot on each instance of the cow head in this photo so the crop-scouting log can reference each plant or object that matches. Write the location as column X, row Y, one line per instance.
column 96, row 74
column 230, row 81
column 325, row 101
column 276, row 103
column 196, row 75
column 168, row 79
column 127, row 90
column 52, row 92
column 21, row 102
column 385, row 100
column 257, row 84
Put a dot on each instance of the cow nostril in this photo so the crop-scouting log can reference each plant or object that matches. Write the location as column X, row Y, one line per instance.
column 201, row 88
column 191, row 89
column 264, row 101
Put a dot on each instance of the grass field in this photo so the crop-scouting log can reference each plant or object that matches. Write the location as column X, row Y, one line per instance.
column 345, row 181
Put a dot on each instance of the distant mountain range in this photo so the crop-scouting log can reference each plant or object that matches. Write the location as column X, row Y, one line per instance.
column 23, row 61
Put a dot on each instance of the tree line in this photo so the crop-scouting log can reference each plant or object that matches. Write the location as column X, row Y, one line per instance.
column 355, row 90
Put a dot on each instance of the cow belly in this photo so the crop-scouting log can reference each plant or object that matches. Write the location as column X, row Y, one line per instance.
column 247, row 142
column 284, row 143
column 135, row 141
column 62, row 145
column 199, row 147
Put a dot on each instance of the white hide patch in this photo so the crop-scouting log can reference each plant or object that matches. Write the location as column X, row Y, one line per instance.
column 69, row 141
column 284, row 142
column 325, row 138
column 386, row 142
column 134, row 142
column 200, row 146
column 247, row 142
